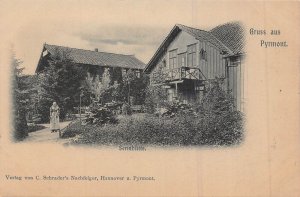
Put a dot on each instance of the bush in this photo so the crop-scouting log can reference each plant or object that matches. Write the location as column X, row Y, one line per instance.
column 156, row 97
column 151, row 130
column 178, row 109
column 101, row 116
column 20, row 126
column 221, row 123
column 216, row 123
column 72, row 130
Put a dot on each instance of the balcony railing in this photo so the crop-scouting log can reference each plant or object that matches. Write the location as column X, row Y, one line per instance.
column 183, row 73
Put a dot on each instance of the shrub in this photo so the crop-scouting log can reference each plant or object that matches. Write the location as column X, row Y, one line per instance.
column 150, row 131
column 178, row 108
column 216, row 123
column 220, row 122
column 156, row 97
column 101, row 115
column 20, row 126
column 72, row 130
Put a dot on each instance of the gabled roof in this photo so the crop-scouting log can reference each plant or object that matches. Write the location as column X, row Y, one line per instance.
column 232, row 35
column 89, row 57
column 205, row 36
column 214, row 37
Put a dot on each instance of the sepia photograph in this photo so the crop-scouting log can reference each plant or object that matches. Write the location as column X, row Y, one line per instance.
column 189, row 93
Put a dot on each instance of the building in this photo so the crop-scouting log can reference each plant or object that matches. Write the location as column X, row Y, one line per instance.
column 92, row 59
column 190, row 57
column 98, row 64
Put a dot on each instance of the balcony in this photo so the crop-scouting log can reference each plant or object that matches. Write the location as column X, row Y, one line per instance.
column 181, row 73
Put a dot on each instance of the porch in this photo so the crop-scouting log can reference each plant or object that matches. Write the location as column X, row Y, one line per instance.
column 185, row 90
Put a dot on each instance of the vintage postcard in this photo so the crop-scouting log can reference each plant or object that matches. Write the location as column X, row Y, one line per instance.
column 150, row 98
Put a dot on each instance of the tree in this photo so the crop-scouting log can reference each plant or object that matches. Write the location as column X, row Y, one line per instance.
column 62, row 82
column 221, row 121
column 99, row 87
column 134, row 87
column 156, row 95
column 20, row 99
column 109, row 85
column 216, row 100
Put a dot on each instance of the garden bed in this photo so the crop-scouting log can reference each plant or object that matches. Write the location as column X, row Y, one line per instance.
column 152, row 130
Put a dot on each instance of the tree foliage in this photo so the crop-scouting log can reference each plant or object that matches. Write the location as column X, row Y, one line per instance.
column 61, row 82
column 111, row 87
column 99, row 86
column 219, row 118
column 156, row 95
column 134, row 88
column 20, row 100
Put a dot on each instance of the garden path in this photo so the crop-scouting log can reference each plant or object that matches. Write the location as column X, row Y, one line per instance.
column 45, row 135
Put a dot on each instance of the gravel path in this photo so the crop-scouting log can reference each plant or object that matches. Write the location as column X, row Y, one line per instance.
column 45, row 134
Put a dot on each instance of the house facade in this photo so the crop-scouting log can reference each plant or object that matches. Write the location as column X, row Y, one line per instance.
column 188, row 58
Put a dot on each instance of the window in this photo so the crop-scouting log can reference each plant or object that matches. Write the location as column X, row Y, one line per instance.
column 203, row 55
column 182, row 60
column 173, row 59
column 138, row 73
column 191, row 56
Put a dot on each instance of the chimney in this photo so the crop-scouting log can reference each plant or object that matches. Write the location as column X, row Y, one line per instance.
column 96, row 49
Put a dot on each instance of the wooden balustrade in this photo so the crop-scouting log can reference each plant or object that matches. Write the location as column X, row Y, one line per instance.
column 183, row 73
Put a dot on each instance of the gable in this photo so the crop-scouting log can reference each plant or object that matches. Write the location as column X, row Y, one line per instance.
column 189, row 35
column 181, row 41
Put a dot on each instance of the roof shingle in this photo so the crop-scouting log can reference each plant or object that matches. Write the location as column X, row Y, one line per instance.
column 232, row 35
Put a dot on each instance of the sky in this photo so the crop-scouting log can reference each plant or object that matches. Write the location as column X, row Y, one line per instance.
column 124, row 26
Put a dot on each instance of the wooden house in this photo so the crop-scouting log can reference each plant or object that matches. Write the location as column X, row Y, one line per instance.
column 98, row 64
column 102, row 68
column 92, row 59
column 190, row 57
